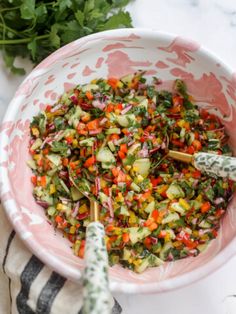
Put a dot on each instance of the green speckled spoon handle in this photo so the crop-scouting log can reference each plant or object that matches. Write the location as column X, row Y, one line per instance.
column 220, row 165
column 96, row 294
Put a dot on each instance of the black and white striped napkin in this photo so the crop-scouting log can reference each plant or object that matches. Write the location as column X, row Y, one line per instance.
column 27, row 286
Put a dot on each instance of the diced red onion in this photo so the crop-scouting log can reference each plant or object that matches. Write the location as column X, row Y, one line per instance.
column 218, row 200
column 42, row 203
column 98, row 104
column 64, row 200
column 104, row 120
column 126, row 109
column 75, row 210
column 107, row 178
column 154, row 149
column 98, row 184
column 94, row 132
column 131, row 143
column 154, row 240
column 74, row 99
column 195, row 183
column 56, row 107
column 194, row 221
column 163, row 145
column 110, row 207
column 144, row 151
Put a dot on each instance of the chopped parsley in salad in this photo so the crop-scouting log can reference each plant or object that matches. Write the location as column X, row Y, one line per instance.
column 110, row 138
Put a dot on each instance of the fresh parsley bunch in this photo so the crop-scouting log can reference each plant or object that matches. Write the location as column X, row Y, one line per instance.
column 33, row 28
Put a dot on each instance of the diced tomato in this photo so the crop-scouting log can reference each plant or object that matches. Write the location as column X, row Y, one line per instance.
column 162, row 234
column 121, row 176
column 110, row 228
column 115, row 171
column 190, row 150
column 106, row 190
column 34, row 180
column 89, row 95
column 90, row 161
column 65, row 161
column 109, row 108
column 153, row 226
column 219, row 212
column 148, row 222
column 46, row 151
column 145, row 196
column 196, row 174
column 205, row 207
column 48, row 108
column 118, row 106
column 81, row 249
column 43, row 181
column 93, row 125
column 204, row 114
column 155, row 214
column 197, row 145
column 58, row 219
column 121, row 154
column 69, row 139
column 81, row 129
column 123, row 148
column 177, row 100
column 148, row 243
column 143, row 139
column 156, row 181
column 214, row 232
column 196, row 135
column 114, row 137
column 125, row 237
column 113, row 82
column 185, row 170
column 177, row 143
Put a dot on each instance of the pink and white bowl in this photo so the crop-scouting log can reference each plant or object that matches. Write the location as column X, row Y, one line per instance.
column 113, row 54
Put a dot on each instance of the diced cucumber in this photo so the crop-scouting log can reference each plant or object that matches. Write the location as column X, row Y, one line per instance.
column 105, row 155
column 124, row 211
column 174, row 191
column 150, row 207
column 38, row 142
column 31, row 163
column 202, row 247
column 166, row 247
column 190, row 136
column 64, row 186
column 137, row 234
column 74, row 118
column 149, row 261
column 178, row 208
column 196, row 204
column 135, row 187
column 113, row 131
column 127, row 78
column 133, row 148
column 107, row 165
column 142, row 166
column 126, row 254
column 103, row 197
column 144, row 103
column 87, row 142
column 55, row 159
column 89, row 87
column 171, row 217
column 126, row 120
column 75, row 194
column 111, row 146
column 51, row 210
column 204, row 224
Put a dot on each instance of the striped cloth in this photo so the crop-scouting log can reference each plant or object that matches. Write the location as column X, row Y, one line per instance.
column 27, row 286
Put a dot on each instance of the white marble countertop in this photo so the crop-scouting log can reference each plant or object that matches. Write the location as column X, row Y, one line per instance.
column 213, row 24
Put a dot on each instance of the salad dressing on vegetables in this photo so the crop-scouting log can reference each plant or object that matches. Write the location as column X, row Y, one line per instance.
column 109, row 138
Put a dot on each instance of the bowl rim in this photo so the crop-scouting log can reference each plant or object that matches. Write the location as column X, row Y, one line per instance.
column 70, row 272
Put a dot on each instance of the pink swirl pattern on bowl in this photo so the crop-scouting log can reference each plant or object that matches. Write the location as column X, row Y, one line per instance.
column 113, row 54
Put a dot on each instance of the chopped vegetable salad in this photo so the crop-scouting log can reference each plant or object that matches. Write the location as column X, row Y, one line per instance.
column 110, row 139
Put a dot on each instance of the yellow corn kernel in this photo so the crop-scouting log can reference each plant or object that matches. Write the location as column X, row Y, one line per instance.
column 184, row 204
column 140, row 178
column 52, row 189
column 132, row 217
column 117, row 111
column 94, row 81
column 83, row 209
column 188, row 175
column 167, row 237
column 117, row 231
column 199, row 198
column 195, row 233
column 60, row 206
column 72, row 230
column 36, row 156
column 35, row 132
column 181, row 123
column 135, row 168
column 224, row 185
column 120, row 84
column 103, row 183
column 130, row 260
column 75, row 143
column 128, row 167
column 137, row 262
column 177, row 243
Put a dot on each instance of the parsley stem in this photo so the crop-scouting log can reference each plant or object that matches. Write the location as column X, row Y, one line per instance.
column 9, row 29
column 22, row 40
column 10, row 9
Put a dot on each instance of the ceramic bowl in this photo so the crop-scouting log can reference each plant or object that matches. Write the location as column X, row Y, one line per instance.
column 113, row 54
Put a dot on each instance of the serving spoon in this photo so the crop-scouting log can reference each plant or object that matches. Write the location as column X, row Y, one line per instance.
column 96, row 293
column 220, row 165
